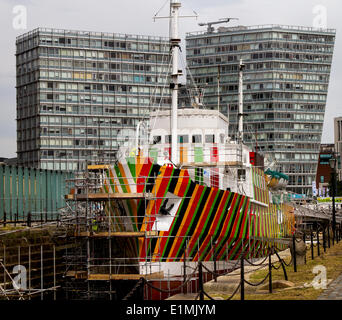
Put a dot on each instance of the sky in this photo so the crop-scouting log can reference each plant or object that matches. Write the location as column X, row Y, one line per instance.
column 136, row 17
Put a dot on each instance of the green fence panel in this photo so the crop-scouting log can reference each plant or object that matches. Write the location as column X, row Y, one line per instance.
column 43, row 191
column 53, row 191
column 20, row 194
column 24, row 190
column 59, row 192
column 38, row 192
column 32, row 191
column 14, row 191
column 8, row 192
column 26, row 197
column 2, row 190
column 48, row 192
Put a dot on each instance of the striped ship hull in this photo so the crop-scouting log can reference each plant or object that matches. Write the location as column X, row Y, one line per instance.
column 202, row 223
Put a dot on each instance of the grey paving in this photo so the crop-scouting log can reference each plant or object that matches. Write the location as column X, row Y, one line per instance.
column 333, row 291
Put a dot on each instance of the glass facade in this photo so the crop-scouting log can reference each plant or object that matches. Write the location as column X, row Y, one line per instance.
column 81, row 94
column 285, row 89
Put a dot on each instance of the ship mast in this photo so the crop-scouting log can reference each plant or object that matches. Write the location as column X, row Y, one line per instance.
column 174, row 41
column 241, row 68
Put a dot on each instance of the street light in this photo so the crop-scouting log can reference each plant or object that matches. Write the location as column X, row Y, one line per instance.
column 332, row 163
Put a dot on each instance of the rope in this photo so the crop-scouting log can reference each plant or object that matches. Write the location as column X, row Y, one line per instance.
column 174, row 289
column 211, row 298
column 284, row 260
column 222, row 274
column 276, row 267
column 138, row 284
column 229, row 298
column 236, row 290
column 256, row 265
column 259, row 283
column 288, row 263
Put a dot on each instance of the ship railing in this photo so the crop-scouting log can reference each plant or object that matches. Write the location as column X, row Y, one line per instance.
column 214, row 152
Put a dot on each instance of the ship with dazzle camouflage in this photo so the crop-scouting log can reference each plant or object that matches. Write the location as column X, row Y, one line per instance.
column 188, row 191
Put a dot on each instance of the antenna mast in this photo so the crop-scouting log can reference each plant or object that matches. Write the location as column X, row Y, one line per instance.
column 175, row 41
column 174, row 85
column 241, row 68
column 218, row 88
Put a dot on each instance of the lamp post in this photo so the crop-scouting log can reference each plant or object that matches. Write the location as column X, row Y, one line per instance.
column 332, row 163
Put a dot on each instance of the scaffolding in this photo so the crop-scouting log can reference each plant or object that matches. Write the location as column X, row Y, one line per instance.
column 107, row 252
column 106, row 263
column 31, row 267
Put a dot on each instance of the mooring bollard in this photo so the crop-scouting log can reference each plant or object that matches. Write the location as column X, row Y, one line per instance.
column 200, row 280
column 242, row 280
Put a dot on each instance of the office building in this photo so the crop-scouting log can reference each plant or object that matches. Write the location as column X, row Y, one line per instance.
column 338, row 145
column 285, row 89
column 323, row 175
column 81, row 94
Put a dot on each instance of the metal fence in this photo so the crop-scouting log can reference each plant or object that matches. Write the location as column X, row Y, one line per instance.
column 30, row 193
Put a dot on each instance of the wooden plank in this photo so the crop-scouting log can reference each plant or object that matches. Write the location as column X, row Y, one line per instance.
column 77, row 274
column 127, row 234
column 105, row 196
column 106, row 277
column 98, row 167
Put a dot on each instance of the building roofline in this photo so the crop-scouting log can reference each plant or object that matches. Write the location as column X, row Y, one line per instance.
column 68, row 32
column 263, row 27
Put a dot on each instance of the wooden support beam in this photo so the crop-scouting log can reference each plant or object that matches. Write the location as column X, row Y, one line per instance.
column 105, row 196
column 106, row 277
column 77, row 274
column 98, row 167
column 125, row 234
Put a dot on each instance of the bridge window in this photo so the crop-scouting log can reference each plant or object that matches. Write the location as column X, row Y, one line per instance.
column 210, row 138
column 221, row 138
column 183, row 138
column 196, row 138
column 156, row 139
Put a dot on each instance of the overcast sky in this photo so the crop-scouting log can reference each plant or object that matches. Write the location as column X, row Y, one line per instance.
column 135, row 17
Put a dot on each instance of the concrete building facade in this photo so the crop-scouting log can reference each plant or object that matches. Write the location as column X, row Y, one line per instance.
column 285, row 89
column 81, row 94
